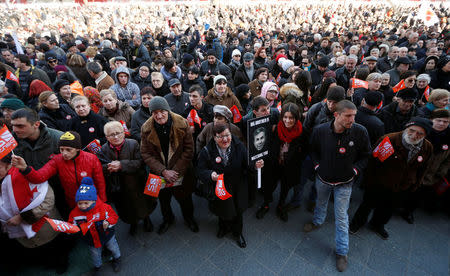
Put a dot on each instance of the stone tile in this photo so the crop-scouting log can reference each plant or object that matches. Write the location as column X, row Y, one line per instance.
column 272, row 255
column 142, row 261
column 161, row 270
column 314, row 250
column 253, row 267
column 165, row 246
column 296, row 265
column 184, row 261
column 387, row 263
column 412, row 270
column 228, row 258
column 208, row 269
column 360, row 248
column 205, row 243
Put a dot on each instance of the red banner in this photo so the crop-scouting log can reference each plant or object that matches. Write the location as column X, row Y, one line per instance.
column 94, row 146
column 384, row 149
column 399, row 86
column 426, row 93
column 11, row 76
column 357, row 83
column 62, row 226
column 237, row 117
column 7, row 142
column 125, row 128
column 221, row 192
column 153, row 185
column 194, row 118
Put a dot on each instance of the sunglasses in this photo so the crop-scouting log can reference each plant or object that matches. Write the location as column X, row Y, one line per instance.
column 52, row 61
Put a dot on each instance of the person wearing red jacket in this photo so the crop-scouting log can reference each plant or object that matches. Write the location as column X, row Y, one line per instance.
column 96, row 220
column 71, row 165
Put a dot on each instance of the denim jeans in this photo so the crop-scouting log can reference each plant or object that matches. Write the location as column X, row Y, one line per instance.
column 96, row 253
column 342, row 195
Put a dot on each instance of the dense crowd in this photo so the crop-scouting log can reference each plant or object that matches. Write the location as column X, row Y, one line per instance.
column 103, row 101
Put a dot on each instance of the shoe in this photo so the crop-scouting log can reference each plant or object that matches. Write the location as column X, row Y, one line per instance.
column 310, row 227
column 241, row 241
column 408, row 217
column 282, row 213
column 310, row 206
column 380, row 231
column 289, row 207
column 262, row 211
column 341, row 262
column 96, row 271
column 133, row 229
column 192, row 224
column 148, row 225
column 353, row 228
column 116, row 265
column 221, row 233
column 165, row 226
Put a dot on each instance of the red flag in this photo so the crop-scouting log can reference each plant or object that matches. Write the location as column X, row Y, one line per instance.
column 125, row 128
column 11, row 76
column 380, row 105
column 237, row 117
column 153, row 185
column 7, row 142
column 94, row 146
column 62, row 226
column 384, row 149
column 357, row 83
column 221, row 192
column 194, row 118
column 426, row 93
column 279, row 107
column 399, row 86
column 278, row 79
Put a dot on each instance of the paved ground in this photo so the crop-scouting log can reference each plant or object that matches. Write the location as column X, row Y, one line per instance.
column 276, row 248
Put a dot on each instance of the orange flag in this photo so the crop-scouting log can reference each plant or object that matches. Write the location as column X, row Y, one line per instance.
column 7, row 142
column 426, row 93
column 153, row 185
column 94, row 146
column 237, row 117
column 357, row 83
column 125, row 128
column 194, row 118
column 11, row 76
column 399, row 86
column 221, row 192
column 383, row 150
column 62, row 226
column 76, row 88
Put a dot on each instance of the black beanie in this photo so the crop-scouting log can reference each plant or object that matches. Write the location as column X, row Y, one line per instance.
column 59, row 83
column 420, row 121
column 440, row 113
column 373, row 98
column 70, row 139
column 336, row 93
column 241, row 90
column 158, row 103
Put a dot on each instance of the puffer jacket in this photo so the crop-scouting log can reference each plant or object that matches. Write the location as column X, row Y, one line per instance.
column 70, row 173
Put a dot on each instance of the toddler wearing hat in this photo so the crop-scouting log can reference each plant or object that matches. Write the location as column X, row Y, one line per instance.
column 96, row 220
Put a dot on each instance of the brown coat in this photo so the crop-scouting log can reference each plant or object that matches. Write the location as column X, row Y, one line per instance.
column 105, row 83
column 124, row 112
column 438, row 167
column 395, row 173
column 228, row 100
column 181, row 151
column 126, row 187
column 255, row 88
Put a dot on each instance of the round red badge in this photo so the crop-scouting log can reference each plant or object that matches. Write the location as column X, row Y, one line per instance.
column 445, row 147
column 420, row 158
column 204, row 123
column 91, row 129
column 68, row 117
column 305, row 108
column 218, row 159
column 342, row 150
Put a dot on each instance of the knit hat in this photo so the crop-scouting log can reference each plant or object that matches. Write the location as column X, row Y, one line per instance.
column 443, row 61
column 12, row 103
column 248, row 56
column 336, row 93
column 241, row 90
column 224, row 111
column 403, row 60
column 211, row 52
column 218, row 78
column 420, row 121
column 235, row 52
column 158, row 103
column 50, row 56
column 59, row 84
column 286, row 64
column 87, row 190
column 59, row 68
column 329, row 74
column 440, row 113
column 323, row 62
column 187, row 58
column 373, row 98
column 407, row 94
column 70, row 139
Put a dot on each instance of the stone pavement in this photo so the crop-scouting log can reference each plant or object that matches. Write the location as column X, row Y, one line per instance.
column 275, row 247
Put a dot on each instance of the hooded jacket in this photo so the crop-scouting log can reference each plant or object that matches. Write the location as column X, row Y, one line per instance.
column 228, row 99
column 130, row 93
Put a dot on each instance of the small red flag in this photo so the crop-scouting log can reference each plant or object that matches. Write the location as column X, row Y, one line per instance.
column 125, row 128
column 11, row 76
column 7, row 142
column 383, row 150
column 237, row 117
column 62, row 226
column 153, row 185
column 426, row 93
column 221, row 192
column 279, row 107
column 194, row 118
column 357, row 83
column 399, row 86
column 94, row 146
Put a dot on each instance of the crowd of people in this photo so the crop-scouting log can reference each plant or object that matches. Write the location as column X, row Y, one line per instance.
column 103, row 101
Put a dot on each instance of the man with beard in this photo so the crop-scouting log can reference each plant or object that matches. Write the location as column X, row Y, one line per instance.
column 394, row 175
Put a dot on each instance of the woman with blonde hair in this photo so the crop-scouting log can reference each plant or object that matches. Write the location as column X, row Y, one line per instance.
column 54, row 114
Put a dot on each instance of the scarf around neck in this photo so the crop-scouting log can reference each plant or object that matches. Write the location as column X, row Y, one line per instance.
column 287, row 135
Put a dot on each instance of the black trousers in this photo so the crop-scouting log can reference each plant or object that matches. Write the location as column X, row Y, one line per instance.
column 383, row 201
column 187, row 207
column 270, row 183
column 234, row 225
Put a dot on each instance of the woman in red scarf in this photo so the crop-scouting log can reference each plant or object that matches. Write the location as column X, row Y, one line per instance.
column 286, row 154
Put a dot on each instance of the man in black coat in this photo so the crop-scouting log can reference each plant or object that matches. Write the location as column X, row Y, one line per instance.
column 387, row 63
column 245, row 73
column 317, row 73
column 366, row 115
column 345, row 73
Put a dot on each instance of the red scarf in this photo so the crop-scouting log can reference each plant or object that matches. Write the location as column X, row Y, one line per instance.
column 287, row 135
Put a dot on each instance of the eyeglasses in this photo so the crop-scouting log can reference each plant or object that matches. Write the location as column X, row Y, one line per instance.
column 223, row 137
column 273, row 91
column 52, row 61
column 411, row 80
column 237, row 55
column 305, row 63
column 114, row 135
